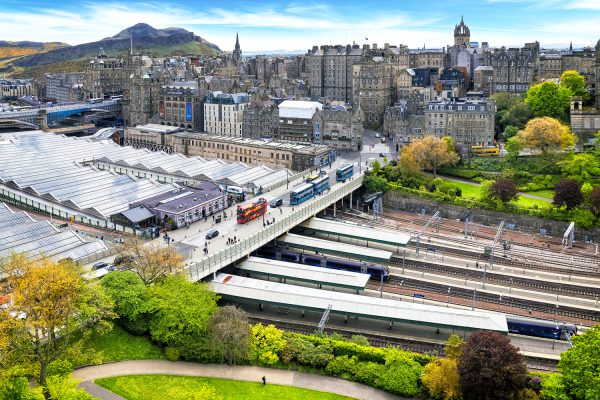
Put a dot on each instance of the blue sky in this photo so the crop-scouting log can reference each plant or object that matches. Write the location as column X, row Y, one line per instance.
column 298, row 25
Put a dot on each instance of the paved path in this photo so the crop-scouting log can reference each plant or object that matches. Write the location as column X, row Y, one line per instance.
column 243, row 373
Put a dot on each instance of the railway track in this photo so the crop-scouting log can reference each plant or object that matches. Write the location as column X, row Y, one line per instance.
column 380, row 340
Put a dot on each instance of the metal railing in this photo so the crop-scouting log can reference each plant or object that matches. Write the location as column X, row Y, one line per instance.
column 214, row 262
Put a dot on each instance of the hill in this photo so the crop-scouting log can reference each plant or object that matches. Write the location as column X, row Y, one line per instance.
column 159, row 42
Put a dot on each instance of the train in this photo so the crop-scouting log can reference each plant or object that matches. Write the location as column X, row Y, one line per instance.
column 540, row 328
column 377, row 272
column 306, row 191
column 251, row 211
column 344, row 172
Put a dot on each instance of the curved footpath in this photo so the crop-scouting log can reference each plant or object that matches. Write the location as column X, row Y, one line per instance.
column 238, row 372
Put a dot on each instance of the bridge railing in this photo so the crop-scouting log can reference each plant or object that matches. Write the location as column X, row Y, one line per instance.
column 310, row 208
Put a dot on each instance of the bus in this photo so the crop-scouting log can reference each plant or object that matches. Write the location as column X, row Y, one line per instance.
column 94, row 101
column 311, row 178
column 320, row 184
column 301, row 193
column 344, row 172
column 485, row 151
column 116, row 98
column 251, row 211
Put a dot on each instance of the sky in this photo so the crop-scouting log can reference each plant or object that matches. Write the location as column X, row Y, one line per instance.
column 272, row 25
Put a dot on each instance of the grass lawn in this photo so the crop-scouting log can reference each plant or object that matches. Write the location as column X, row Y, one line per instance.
column 159, row 387
column 548, row 194
column 118, row 344
column 474, row 190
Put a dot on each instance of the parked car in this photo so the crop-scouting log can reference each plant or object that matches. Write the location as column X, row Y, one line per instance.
column 381, row 155
column 213, row 233
column 276, row 202
column 100, row 264
column 377, row 135
column 123, row 260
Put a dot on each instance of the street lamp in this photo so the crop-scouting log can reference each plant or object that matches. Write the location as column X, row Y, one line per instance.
column 448, row 302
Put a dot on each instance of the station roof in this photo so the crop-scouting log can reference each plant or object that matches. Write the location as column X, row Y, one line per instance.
column 354, row 231
column 22, row 234
column 240, row 288
column 336, row 248
column 305, row 273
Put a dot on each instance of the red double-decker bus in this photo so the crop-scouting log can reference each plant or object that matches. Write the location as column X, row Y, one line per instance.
column 251, row 211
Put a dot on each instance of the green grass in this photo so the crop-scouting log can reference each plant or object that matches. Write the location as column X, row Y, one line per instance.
column 119, row 344
column 548, row 194
column 474, row 190
column 159, row 387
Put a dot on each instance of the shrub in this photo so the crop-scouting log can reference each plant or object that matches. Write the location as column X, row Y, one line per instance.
column 360, row 340
column 266, row 343
column 172, row 353
column 583, row 218
column 342, row 366
column 368, row 372
column 315, row 356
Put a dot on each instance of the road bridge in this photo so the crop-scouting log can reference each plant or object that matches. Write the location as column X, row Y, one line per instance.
column 255, row 234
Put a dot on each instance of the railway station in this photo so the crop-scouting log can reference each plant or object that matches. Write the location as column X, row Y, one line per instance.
column 237, row 288
column 284, row 271
column 334, row 248
column 353, row 231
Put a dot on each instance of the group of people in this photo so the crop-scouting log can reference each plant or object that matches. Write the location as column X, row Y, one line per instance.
column 232, row 241
column 267, row 222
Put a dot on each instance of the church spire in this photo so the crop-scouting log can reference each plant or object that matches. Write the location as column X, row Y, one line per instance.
column 237, row 41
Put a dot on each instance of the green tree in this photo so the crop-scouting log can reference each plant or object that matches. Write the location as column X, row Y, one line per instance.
column 547, row 99
column 575, row 82
column 180, row 310
column 266, row 343
column 230, row 335
column 402, row 374
column 509, row 132
column 129, row 294
column 553, row 388
column 580, row 366
column 61, row 387
column 491, row 368
column 513, row 148
column 151, row 261
column 580, row 167
column 374, row 183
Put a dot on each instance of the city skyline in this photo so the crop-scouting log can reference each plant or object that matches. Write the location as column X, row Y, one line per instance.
column 298, row 26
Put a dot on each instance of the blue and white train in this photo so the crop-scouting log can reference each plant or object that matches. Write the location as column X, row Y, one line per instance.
column 377, row 272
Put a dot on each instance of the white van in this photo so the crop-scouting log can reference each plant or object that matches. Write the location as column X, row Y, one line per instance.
column 235, row 190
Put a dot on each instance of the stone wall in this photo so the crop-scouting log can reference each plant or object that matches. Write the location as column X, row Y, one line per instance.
column 524, row 223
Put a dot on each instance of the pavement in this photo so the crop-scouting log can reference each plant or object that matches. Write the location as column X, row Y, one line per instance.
column 238, row 372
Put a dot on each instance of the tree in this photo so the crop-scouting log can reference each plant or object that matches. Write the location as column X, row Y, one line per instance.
column 180, row 310
column 547, row 99
column 580, row 167
column 546, row 134
column 266, row 343
column 230, row 335
column 130, row 296
column 553, row 388
column 567, row 193
column 441, row 379
column 151, row 261
column 580, row 366
column 491, row 368
column 575, row 82
column 54, row 301
column 509, row 132
column 595, row 200
column 374, row 183
column 453, row 348
column 504, row 190
column 430, row 153
column 513, row 148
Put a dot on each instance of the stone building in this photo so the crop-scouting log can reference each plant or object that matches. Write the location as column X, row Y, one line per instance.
column 462, row 34
column 297, row 157
column 181, row 105
column 15, row 89
column 65, row 87
column 342, row 129
column 237, row 51
column 550, row 66
column 483, row 80
column 261, row 120
column 331, row 71
column 515, row 68
column 299, row 121
column 401, row 124
column 469, row 121
column 585, row 122
column 224, row 113
column 374, row 84
column 583, row 61
column 151, row 136
column 103, row 77
column 143, row 80
column 427, row 58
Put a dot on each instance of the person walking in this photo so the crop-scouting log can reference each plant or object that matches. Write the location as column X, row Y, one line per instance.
column 264, row 379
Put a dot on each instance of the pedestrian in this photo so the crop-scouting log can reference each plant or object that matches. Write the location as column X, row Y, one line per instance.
column 280, row 210
column 235, row 239
column 264, row 379
column 213, row 217
column 477, row 264
column 273, row 219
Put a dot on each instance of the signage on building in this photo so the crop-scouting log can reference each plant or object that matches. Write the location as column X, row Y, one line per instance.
column 188, row 111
